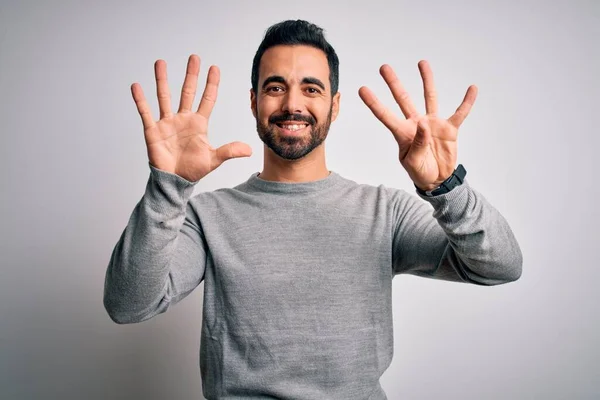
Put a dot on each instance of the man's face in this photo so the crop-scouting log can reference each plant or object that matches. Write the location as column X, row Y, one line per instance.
column 293, row 105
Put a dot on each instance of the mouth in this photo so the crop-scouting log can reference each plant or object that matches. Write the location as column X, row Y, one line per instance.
column 294, row 129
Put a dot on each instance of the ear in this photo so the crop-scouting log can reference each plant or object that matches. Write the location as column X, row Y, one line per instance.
column 335, row 106
column 253, row 102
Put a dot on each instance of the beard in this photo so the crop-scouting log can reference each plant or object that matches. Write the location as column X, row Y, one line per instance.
column 293, row 147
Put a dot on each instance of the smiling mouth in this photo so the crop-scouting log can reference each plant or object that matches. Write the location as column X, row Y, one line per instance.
column 291, row 128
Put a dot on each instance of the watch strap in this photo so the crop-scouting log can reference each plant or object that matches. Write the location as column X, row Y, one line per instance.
column 454, row 180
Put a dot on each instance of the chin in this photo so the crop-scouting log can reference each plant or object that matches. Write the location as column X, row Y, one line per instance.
column 291, row 145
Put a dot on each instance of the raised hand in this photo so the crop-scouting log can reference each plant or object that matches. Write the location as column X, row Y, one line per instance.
column 428, row 143
column 178, row 143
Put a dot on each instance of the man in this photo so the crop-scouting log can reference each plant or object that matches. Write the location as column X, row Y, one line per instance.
column 297, row 261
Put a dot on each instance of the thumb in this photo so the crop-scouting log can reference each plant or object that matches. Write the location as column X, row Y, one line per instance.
column 420, row 143
column 231, row 150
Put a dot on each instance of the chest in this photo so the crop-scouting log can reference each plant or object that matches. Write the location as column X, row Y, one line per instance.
column 281, row 265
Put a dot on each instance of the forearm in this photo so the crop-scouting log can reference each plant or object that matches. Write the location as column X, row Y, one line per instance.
column 159, row 255
column 466, row 240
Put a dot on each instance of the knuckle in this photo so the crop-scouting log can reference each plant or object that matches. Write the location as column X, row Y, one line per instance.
column 382, row 113
column 188, row 91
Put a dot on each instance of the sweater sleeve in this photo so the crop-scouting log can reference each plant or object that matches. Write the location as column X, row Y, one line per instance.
column 160, row 256
column 465, row 239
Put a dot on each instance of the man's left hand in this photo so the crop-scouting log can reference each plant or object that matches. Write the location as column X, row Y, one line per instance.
column 428, row 143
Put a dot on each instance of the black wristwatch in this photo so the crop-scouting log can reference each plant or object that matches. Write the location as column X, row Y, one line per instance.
column 454, row 180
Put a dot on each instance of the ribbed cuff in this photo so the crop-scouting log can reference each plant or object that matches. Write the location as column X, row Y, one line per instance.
column 164, row 185
column 452, row 205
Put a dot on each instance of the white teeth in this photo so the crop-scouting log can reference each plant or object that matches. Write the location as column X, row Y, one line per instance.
column 293, row 127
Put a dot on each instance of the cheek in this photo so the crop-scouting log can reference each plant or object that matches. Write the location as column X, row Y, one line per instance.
column 265, row 109
column 319, row 113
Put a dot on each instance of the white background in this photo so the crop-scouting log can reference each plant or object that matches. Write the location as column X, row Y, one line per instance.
column 74, row 164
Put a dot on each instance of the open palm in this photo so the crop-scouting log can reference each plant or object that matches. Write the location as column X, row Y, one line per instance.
column 427, row 143
column 179, row 143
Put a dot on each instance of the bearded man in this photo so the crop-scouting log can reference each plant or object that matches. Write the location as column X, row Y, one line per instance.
column 298, row 261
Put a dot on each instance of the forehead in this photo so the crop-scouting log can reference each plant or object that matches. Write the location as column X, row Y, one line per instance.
column 294, row 63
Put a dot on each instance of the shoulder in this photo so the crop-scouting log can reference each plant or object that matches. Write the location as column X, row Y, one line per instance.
column 381, row 195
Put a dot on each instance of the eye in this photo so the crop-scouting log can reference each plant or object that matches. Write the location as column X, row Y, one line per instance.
column 275, row 89
column 313, row 90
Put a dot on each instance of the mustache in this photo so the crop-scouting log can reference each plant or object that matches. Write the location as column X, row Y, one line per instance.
column 276, row 119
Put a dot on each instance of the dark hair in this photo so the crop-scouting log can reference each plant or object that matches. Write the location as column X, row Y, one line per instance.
column 292, row 33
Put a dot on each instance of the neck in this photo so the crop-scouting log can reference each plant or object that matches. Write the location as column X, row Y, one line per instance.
column 311, row 167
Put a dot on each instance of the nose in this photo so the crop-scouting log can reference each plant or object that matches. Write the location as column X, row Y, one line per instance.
column 292, row 102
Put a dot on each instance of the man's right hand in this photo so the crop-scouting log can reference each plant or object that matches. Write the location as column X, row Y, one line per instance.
column 179, row 143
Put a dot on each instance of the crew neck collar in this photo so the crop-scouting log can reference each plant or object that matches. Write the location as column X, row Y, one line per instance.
column 294, row 187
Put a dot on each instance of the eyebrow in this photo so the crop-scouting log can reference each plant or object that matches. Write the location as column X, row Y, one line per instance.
column 307, row 80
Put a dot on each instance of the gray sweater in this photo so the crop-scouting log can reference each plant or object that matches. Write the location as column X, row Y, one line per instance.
column 298, row 276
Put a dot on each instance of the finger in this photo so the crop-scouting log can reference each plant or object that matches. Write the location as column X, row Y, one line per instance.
column 465, row 107
column 142, row 105
column 379, row 110
column 162, row 89
column 209, row 97
column 190, row 83
column 428, row 87
column 231, row 150
column 400, row 94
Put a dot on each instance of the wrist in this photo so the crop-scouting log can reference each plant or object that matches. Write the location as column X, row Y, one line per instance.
column 428, row 188
column 454, row 180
